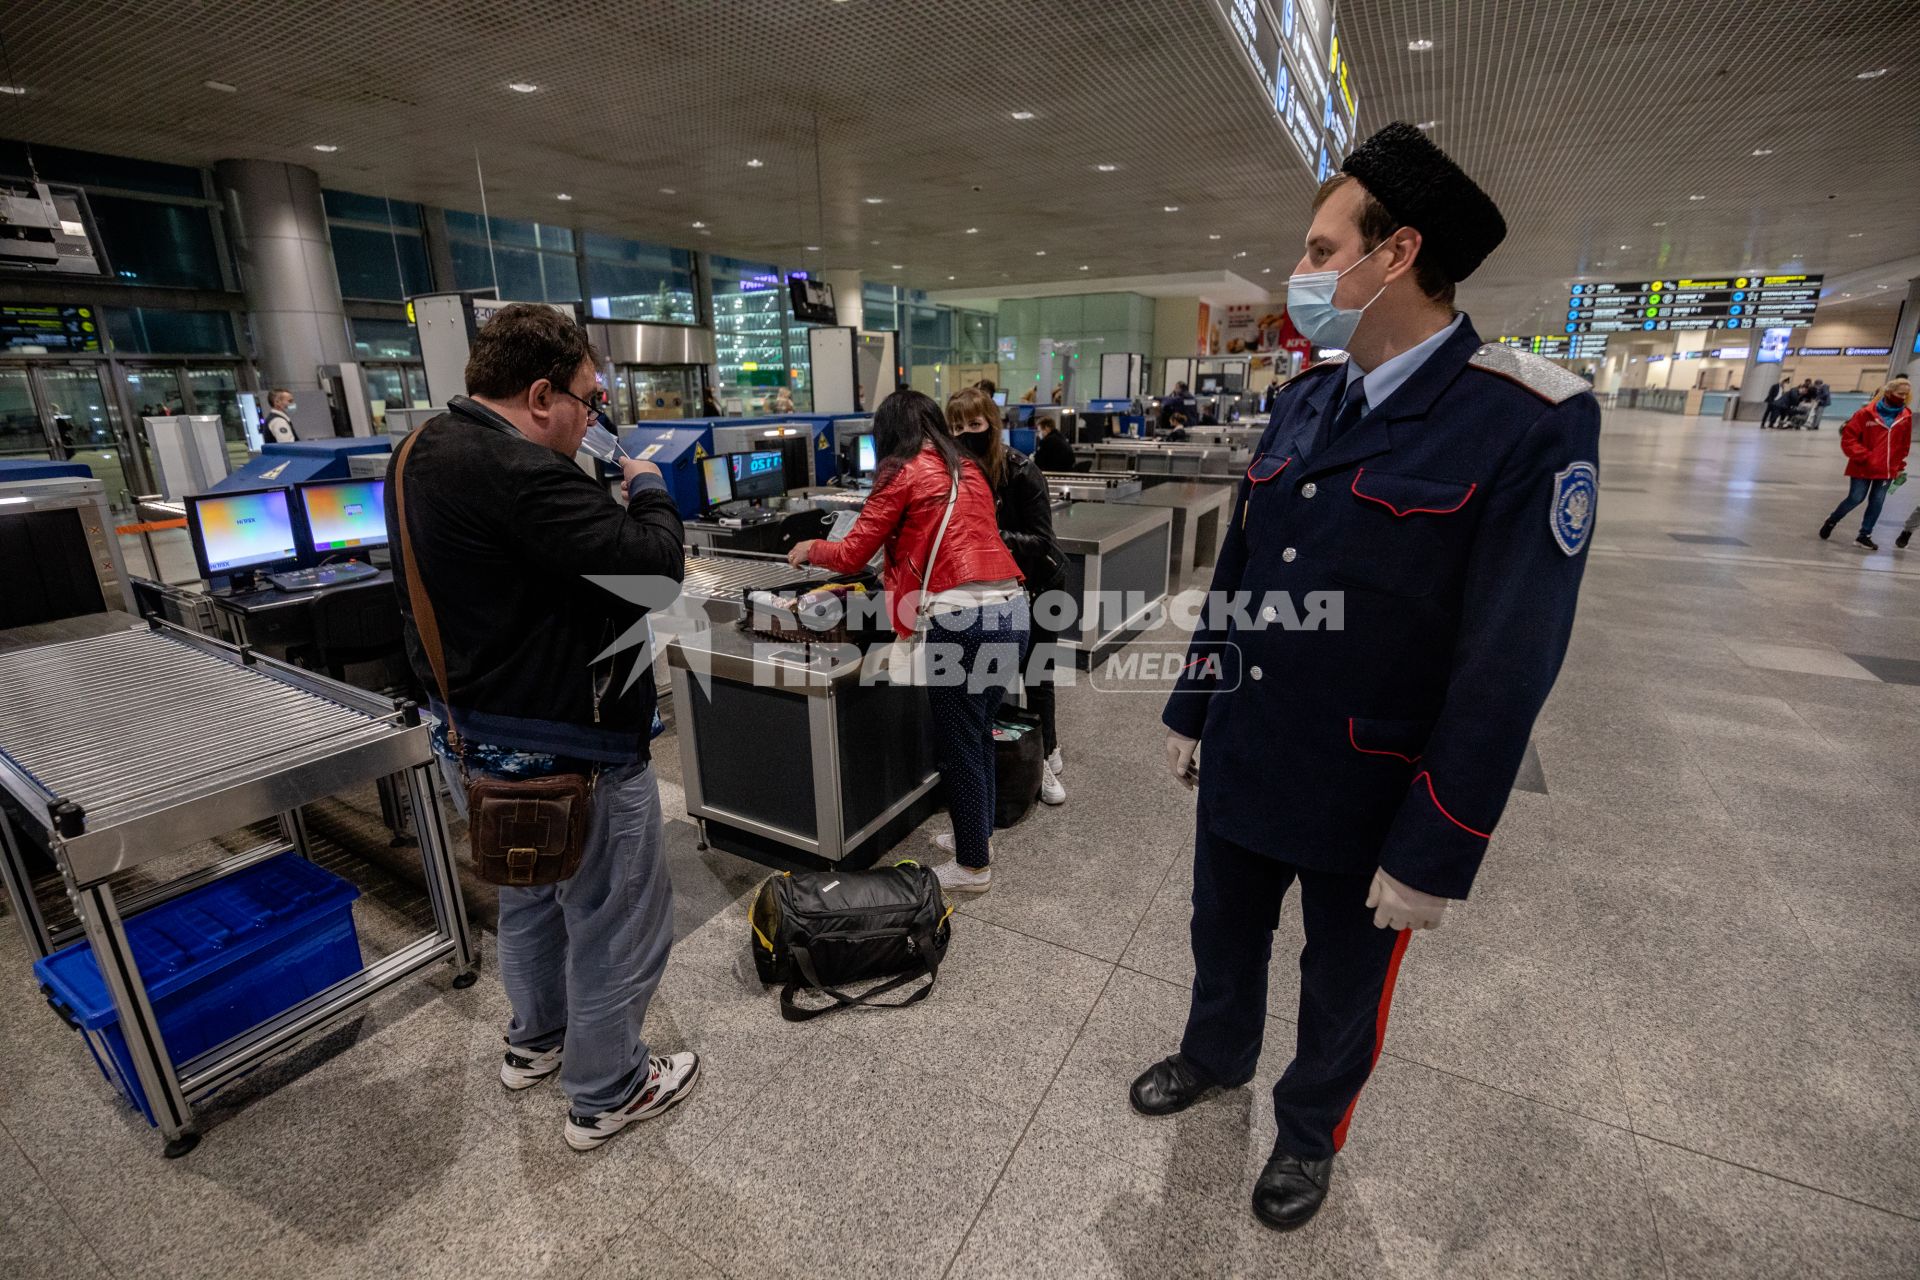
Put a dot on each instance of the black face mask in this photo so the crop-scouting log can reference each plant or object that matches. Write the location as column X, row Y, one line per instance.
column 979, row 443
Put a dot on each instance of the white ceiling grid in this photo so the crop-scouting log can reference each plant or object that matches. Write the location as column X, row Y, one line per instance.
column 1587, row 121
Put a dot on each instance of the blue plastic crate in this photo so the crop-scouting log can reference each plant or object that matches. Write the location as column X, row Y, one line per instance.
column 216, row 961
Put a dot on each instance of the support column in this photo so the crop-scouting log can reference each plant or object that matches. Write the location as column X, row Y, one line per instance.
column 1905, row 334
column 849, row 297
column 278, row 224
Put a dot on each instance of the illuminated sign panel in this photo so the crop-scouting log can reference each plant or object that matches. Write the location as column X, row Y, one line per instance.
column 1291, row 48
column 1725, row 302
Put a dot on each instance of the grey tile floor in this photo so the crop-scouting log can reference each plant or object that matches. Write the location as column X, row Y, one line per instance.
column 1672, row 1034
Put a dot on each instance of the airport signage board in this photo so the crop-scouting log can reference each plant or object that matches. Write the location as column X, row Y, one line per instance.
column 48, row 329
column 1867, row 351
column 1589, row 346
column 1816, row 351
column 1559, row 346
column 1290, row 47
column 1723, row 302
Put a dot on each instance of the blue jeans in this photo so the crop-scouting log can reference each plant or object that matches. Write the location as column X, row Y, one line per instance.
column 973, row 660
column 581, row 959
column 1871, row 492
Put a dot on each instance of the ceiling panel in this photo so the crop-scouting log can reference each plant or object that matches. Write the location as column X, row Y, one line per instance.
column 1588, row 121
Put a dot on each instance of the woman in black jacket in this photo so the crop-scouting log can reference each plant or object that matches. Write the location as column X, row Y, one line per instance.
column 1025, row 511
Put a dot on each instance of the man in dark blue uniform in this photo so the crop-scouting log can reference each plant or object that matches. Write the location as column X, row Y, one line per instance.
column 1446, row 490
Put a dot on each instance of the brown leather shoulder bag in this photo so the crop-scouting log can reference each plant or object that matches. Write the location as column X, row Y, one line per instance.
column 520, row 831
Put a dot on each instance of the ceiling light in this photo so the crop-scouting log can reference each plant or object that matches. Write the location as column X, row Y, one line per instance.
column 1169, row 208
column 1023, row 115
column 1039, row 253
column 1241, row 254
column 1846, row 295
column 219, row 86
column 696, row 225
column 1626, row 246
column 1659, row 224
column 1266, row 271
column 705, row 232
column 563, row 196
column 896, row 266
column 1855, row 235
column 813, row 248
column 876, row 200
column 668, row 191
column 973, row 231
column 1083, row 267
column 1762, row 151
column 1696, row 197
column 1212, row 236
column 1425, row 125
column 522, row 86
column 327, row 147
column 16, row 90
column 756, row 164
column 1871, row 75
column 873, row 242
column 1419, row 46
column 1880, row 286
column 1106, row 168
column 950, row 277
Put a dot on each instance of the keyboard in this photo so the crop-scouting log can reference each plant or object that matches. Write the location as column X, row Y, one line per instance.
column 737, row 518
column 326, row 575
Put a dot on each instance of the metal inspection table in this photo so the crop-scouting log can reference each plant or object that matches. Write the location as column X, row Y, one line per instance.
column 249, row 739
column 1199, row 511
column 787, row 756
column 1172, row 458
column 1117, row 573
column 1093, row 486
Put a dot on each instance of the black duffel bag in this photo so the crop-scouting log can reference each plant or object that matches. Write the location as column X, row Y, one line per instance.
column 1018, row 757
column 819, row 929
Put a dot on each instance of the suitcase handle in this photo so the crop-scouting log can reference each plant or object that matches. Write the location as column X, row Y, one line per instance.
column 54, row 1003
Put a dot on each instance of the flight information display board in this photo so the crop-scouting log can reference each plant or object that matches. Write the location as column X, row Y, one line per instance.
column 1589, row 346
column 1723, row 302
column 1554, row 346
column 1295, row 56
column 49, row 329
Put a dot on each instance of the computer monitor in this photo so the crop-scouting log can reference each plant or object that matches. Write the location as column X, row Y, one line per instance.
column 1000, row 398
column 344, row 515
column 1212, row 384
column 234, row 532
column 865, row 460
column 716, row 475
column 760, row 474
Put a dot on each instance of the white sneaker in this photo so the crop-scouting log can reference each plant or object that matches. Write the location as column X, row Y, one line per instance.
column 525, row 1068
column 944, row 843
column 669, row 1079
column 1056, row 764
column 955, row 878
column 1051, row 792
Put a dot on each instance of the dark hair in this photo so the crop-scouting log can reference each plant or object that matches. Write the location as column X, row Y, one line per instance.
column 521, row 345
column 275, row 394
column 974, row 402
column 1376, row 224
column 905, row 423
column 989, row 386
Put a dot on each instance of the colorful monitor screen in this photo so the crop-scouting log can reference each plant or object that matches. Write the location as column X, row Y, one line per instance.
column 243, row 530
column 865, row 462
column 760, row 474
column 343, row 515
column 717, row 475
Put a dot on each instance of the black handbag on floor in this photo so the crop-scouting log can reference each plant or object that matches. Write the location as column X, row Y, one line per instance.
column 1018, row 757
column 818, row 929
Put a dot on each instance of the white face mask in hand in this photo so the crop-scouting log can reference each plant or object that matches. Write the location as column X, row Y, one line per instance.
column 601, row 443
column 1310, row 306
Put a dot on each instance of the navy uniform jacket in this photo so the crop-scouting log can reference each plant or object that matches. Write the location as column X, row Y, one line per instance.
column 1453, row 521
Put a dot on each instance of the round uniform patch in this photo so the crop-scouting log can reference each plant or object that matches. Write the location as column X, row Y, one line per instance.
column 1575, row 493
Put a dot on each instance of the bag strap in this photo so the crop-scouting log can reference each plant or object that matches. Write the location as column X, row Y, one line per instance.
column 794, row 1012
column 940, row 535
column 424, row 620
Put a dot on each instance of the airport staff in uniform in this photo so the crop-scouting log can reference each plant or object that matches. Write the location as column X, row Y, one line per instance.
column 1446, row 489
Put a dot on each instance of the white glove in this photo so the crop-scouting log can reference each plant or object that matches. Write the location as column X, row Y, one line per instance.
column 1180, row 749
column 1400, row 906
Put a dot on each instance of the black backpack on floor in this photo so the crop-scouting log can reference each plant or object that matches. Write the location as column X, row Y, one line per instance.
column 818, row 929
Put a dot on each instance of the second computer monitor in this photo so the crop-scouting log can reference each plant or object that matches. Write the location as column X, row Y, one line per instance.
column 233, row 532
column 345, row 515
column 865, row 462
column 760, row 474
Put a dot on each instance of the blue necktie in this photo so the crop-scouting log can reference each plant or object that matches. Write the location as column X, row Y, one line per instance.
column 1352, row 407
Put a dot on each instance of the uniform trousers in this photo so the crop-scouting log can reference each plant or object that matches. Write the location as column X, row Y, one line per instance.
column 1347, row 972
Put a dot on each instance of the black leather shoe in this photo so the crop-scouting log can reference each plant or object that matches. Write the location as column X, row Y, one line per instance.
column 1826, row 530
column 1903, row 538
column 1169, row 1085
column 1290, row 1190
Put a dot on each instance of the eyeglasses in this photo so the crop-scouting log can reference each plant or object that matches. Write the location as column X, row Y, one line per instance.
column 596, row 402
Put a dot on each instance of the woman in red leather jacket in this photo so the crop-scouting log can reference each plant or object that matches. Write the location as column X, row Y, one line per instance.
column 1875, row 439
column 976, row 611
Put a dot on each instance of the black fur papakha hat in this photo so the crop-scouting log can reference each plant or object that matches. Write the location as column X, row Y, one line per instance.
column 1459, row 224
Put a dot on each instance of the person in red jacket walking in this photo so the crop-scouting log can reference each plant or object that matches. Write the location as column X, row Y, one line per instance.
column 1876, row 439
column 946, row 572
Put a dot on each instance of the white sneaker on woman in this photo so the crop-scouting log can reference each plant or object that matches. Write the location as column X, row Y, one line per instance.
column 1051, row 792
column 955, row 878
column 1055, row 763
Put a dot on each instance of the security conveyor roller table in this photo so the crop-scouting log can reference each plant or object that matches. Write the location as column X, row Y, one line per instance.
column 125, row 748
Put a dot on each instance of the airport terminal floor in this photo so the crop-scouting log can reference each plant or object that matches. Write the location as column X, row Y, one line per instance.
column 1671, row 1033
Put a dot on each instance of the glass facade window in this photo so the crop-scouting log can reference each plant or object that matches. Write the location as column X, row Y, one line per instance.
column 534, row 262
column 384, row 340
column 351, row 206
column 379, row 264
column 750, row 324
column 153, row 242
column 881, row 309
column 631, row 280
column 88, row 169
column 151, row 330
column 975, row 334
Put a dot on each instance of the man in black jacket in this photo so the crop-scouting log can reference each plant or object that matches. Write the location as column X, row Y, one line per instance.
column 1052, row 450
column 504, row 528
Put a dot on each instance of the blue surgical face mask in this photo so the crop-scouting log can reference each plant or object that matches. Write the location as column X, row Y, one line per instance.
column 1310, row 306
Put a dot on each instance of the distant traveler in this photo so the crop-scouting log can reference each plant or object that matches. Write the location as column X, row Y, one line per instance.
column 279, row 424
column 709, row 407
column 1789, row 407
column 989, row 386
column 1775, row 391
column 505, row 527
column 1180, row 401
column 1053, row 451
column 1446, row 488
column 1822, row 397
column 978, row 613
column 781, row 401
column 1058, row 395
column 1024, row 509
column 1875, row 439
column 1267, row 396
